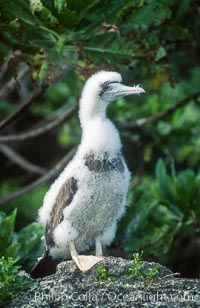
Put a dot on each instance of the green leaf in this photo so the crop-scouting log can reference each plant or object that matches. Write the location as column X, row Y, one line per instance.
column 161, row 173
column 176, row 33
column 185, row 189
column 161, row 53
column 11, row 282
column 30, row 240
column 68, row 18
column 165, row 184
column 7, row 227
column 43, row 72
column 141, row 211
column 22, row 10
column 153, row 12
column 49, row 4
column 196, row 200
column 79, row 5
column 46, row 17
column 12, row 251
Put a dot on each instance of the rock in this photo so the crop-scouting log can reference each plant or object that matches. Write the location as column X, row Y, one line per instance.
column 109, row 284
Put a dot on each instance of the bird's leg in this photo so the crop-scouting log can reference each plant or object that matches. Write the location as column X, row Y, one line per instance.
column 74, row 255
column 84, row 263
column 98, row 245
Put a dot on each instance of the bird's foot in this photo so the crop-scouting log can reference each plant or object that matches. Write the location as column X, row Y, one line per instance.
column 85, row 263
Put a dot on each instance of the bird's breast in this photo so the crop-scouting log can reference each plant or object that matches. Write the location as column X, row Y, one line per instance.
column 102, row 187
column 100, row 136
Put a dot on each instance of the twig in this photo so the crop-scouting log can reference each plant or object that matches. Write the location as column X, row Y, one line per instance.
column 41, row 130
column 28, row 101
column 13, row 83
column 170, row 275
column 64, row 70
column 10, row 63
column 47, row 177
column 140, row 122
column 19, row 160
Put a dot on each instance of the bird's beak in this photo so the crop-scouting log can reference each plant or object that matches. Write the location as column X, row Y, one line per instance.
column 118, row 90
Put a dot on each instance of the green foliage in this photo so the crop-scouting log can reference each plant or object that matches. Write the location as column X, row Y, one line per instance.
column 25, row 246
column 11, row 282
column 103, row 274
column 147, row 275
column 164, row 212
column 7, row 227
column 27, row 205
column 57, row 28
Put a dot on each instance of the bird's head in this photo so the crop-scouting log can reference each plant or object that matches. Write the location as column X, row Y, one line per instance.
column 102, row 88
column 107, row 86
column 112, row 90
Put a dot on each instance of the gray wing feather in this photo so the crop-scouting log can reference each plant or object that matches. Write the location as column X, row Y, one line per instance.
column 63, row 199
column 46, row 265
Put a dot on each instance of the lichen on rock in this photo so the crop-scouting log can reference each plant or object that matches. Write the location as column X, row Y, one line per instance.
column 71, row 288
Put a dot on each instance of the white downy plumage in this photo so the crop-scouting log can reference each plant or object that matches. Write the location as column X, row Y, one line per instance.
column 101, row 175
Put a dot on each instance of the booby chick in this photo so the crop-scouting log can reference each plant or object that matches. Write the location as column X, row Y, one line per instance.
column 83, row 205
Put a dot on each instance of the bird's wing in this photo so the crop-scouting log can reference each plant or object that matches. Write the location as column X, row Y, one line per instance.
column 64, row 198
column 46, row 265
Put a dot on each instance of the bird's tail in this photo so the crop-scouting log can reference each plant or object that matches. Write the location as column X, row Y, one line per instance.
column 44, row 267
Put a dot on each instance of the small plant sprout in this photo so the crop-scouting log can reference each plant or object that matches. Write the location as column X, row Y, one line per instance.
column 146, row 275
column 11, row 283
column 103, row 274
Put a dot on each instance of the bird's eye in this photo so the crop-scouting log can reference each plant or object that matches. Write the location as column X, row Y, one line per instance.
column 107, row 88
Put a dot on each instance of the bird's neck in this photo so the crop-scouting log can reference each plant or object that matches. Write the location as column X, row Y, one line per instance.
column 98, row 133
column 100, row 136
column 91, row 110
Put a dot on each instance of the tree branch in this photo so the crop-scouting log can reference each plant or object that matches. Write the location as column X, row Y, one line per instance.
column 47, row 177
column 43, row 129
column 23, row 107
column 141, row 122
column 13, row 83
column 19, row 160
column 28, row 101
column 10, row 63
